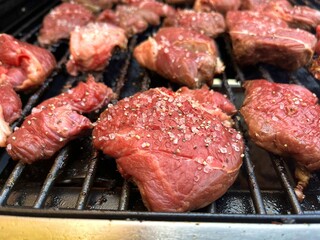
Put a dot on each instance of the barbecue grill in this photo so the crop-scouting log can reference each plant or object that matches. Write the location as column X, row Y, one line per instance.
column 79, row 193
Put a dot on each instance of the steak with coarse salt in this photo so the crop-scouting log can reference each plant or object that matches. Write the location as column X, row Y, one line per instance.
column 43, row 133
column 210, row 24
column 56, row 121
column 268, row 107
column 297, row 16
column 61, row 21
column 221, row 6
column 182, row 56
column 91, row 46
column 180, row 153
column 261, row 38
column 284, row 119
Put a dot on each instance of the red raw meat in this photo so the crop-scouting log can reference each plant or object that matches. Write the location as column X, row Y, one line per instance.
column 180, row 55
column 261, row 38
column 56, row 121
column 91, row 46
column 209, row 23
column 181, row 155
column 284, row 119
column 95, row 5
column 161, row 9
column 9, row 101
column 10, row 109
column 25, row 65
column 43, row 133
column 296, row 16
column 61, row 21
column 221, row 6
column 87, row 97
column 131, row 18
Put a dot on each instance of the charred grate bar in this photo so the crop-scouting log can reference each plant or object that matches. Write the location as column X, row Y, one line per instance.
column 76, row 186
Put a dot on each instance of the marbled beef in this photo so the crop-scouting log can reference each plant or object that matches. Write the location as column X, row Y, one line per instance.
column 181, row 154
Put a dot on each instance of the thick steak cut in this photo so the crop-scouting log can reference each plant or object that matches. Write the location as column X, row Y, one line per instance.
column 211, row 24
column 181, row 154
column 91, row 46
column 183, row 56
column 261, row 38
column 61, row 21
column 284, row 119
column 24, row 65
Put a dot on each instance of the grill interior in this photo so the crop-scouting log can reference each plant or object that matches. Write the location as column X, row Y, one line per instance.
column 82, row 182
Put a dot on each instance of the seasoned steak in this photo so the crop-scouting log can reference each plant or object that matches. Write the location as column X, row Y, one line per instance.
column 261, row 38
column 284, row 119
column 183, row 56
column 131, row 18
column 24, row 65
column 91, row 46
column 296, row 16
column 86, row 97
column 221, row 6
column 211, row 24
column 61, row 21
column 43, row 133
column 56, row 121
column 181, row 154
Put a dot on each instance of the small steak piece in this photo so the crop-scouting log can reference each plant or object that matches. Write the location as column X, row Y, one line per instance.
column 56, row 121
column 261, row 38
column 181, row 155
column 95, row 5
column 221, row 6
column 61, row 21
column 131, row 18
column 183, row 56
column 91, row 46
column 161, row 9
column 10, row 109
column 86, row 97
column 44, row 133
column 284, row 119
column 211, row 24
column 9, row 101
column 296, row 16
column 25, row 65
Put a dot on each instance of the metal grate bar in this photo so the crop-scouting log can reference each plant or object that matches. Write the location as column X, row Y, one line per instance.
column 212, row 208
column 56, row 169
column 11, row 181
column 283, row 174
column 30, row 34
column 124, row 70
column 253, row 183
column 240, row 76
column 265, row 74
column 125, row 195
column 88, row 181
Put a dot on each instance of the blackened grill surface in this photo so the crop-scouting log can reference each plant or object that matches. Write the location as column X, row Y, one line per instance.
column 82, row 182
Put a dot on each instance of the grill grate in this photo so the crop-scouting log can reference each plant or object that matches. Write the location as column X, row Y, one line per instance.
column 84, row 183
